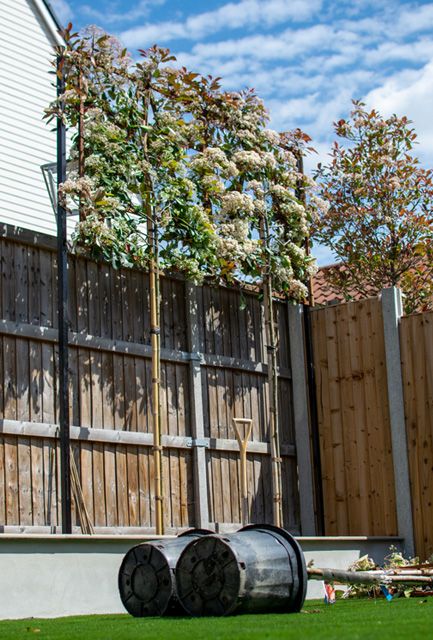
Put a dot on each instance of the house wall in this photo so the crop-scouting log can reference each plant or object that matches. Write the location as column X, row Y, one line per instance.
column 26, row 142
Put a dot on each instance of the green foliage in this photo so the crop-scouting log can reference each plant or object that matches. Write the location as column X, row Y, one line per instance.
column 380, row 217
column 162, row 142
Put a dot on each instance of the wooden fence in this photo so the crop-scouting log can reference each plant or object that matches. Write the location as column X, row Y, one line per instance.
column 416, row 338
column 356, row 456
column 356, row 391
column 213, row 369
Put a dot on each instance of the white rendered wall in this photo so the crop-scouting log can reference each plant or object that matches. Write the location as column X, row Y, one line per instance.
column 56, row 575
column 26, row 142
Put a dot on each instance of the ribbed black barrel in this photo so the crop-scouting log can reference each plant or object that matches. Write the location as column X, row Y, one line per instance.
column 146, row 576
column 260, row 568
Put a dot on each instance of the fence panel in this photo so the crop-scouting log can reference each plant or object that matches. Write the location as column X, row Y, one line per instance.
column 354, row 429
column 416, row 339
column 110, row 395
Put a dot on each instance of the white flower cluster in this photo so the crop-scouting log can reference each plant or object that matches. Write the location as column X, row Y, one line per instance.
column 319, row 205
column 295, row 251
column 243, row 117
column 79, row 186
column 94, row 113
column 234, row 243
column 290, row 159
column 238, row 229
column 297, row 290
column 236, row 203
column 95, row 163
column 212, row 159
column 282, row 274
column 254, row 160
column 247, row 136
column 212, row 184
column 269, row 160
column 248, row 160
column 311, row 269
column 280, row 192
column 271, row 136
column 256, row 187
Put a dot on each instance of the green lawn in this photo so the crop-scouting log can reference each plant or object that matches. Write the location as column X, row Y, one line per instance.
column 350, row 620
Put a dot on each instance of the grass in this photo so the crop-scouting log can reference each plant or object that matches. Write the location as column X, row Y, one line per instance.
column 354, row 620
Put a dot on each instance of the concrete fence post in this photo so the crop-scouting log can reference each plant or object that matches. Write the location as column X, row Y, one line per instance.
column 301, row 419
column 392, row 310
column 197, row 419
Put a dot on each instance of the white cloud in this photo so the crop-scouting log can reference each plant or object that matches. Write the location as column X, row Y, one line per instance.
column 287, row 45
column 419, row 52
column 410, row 93
column 63, row 10
column 140, row 10
column 416, row 19
column 243, row 14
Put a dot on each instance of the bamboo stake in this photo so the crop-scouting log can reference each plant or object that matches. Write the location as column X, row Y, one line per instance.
column 155, row 332
column 271, row 349
column 243, row 444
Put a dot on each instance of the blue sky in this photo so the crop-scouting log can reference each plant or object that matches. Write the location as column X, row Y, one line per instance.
column 306, row 58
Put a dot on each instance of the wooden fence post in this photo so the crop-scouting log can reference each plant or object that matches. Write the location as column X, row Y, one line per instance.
column 197, row 420
column 392, row 312
column 301, row 419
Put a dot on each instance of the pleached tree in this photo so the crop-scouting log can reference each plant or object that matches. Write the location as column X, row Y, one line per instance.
column 171, row 172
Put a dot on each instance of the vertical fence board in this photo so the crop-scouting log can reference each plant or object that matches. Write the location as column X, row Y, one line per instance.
column 11, row 480
column 99, row 501
column 37, row 480
column 24, row 481
column 110, row 485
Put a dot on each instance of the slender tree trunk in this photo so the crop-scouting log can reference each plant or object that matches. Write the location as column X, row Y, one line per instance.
column 273, row 418
column 300, row 194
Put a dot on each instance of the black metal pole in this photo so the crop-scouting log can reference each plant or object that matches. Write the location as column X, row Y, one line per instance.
column 315, row 439
column 62, row 288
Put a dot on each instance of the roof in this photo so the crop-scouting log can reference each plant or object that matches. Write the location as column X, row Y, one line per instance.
column 50, row 19
column 53, row 15
column 325, row 293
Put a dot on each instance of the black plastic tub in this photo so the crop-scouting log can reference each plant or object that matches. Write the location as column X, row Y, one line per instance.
column 261, row 568
column 146, row 580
